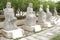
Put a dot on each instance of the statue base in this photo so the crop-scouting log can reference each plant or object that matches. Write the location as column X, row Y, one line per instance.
column 45, row 24
column 13, row 33
column 4, row 38
column 34, row 28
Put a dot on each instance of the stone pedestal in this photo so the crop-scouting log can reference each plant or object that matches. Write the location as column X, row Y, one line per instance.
column 53, row 20
column 58, row 22
column 45, row 24
column 0, row 31
column 48, row 24
column 1, row 24
column 34, row 28
column 3, row 38
column 13, row 33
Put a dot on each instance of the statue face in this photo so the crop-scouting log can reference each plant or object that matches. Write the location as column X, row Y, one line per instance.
column 30, row 4
column 55, row 8
column 47, row 6
column 41, row 6
column 8, row 5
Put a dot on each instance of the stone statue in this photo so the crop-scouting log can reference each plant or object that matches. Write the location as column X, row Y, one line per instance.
column 42, row 18
column 30, row 16
column 9, row 23
column 29, row 8
column 30, row 22
column 55, row 12
column 18, row 12
column 42, row 15
column 49, row 14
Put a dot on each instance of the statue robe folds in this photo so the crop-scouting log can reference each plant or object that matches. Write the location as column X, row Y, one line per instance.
column 9, row 23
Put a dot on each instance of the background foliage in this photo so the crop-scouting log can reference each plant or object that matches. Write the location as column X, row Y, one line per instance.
column 22, row 4
column 56, row 37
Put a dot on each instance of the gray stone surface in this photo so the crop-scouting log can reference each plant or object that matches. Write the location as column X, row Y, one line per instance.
column 23, row 39
column 1, row 25
column 45, row 35
column 31, row 38
column 3, row 38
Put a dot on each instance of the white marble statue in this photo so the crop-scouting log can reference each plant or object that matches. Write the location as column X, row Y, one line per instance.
column 49, row 14
column 10, row 29
column 55, row 12
column 18, row 12
column 10, row 20
column 42, row 15
column 54, row 18
column 42, row 18
column 30, row 16
column 30, row 21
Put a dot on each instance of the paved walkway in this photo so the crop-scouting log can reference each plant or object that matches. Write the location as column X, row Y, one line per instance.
column 45, row 35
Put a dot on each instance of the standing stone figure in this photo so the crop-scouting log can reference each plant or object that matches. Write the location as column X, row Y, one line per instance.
column 30, row 22
column 42, row 15
column 10, row 29
column 18, row 12
column 49, row 14
column 42, row 18
column 55, row 12
column 9, row 23
column 30, row 16
column 54, row 18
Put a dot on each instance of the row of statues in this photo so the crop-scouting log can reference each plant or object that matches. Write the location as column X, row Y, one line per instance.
column 45, row 19
column 20, row 13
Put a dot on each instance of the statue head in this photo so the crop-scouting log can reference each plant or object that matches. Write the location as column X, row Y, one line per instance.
column 47, row 6
column 54, row 8
column 30, row 5
column 8, row 5
column 41, row 6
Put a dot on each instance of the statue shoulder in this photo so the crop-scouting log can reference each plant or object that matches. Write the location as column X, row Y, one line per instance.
column 4, row 9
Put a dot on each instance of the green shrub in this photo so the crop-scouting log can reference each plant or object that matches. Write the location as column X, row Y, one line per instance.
column 56, row 37
column 22, row 4
column 58, row 6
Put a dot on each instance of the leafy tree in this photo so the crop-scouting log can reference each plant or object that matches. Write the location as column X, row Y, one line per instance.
column 58, row 6
column 22, row 4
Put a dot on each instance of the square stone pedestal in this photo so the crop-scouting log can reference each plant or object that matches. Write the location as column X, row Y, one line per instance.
column 34, row 28
column 13, row 33
column 3, row 38
column 0, row 31
column 45, row 24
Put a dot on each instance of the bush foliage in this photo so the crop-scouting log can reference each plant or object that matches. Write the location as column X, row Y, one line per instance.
column 22, row 4
column 56, row 37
